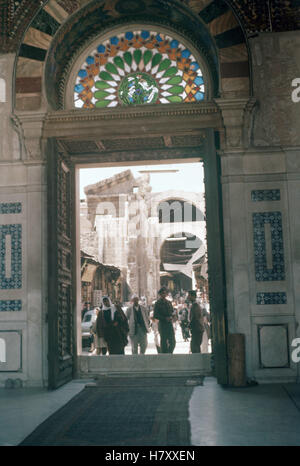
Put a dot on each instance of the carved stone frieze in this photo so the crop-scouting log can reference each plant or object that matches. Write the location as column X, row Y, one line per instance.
column 97, row 124
column 197, row 109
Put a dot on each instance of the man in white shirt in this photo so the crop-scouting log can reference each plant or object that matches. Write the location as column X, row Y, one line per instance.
column 138, row 322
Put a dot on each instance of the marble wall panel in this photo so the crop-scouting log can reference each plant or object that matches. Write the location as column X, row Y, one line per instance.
column 11, row 350
column 273, row 345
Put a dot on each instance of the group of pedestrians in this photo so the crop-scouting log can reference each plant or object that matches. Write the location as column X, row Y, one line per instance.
column 113, row 327
column 110, row 329
column 192, row 323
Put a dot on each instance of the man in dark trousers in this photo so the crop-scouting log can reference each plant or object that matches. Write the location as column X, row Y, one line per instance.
column 163, row 312
column 138, row 322
column 196, row 323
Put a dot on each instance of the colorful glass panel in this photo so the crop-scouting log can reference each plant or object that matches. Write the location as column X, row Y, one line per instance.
column 136, row 68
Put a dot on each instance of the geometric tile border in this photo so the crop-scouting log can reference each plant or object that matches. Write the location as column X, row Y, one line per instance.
column 10, row 207
column 15, row 279
column 277, row 272
column 271, row 298
column 10, row 305
column 260, row 195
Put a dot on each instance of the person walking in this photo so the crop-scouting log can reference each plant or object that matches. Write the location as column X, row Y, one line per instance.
column 163, row 312
column 154, row 326
column 112, row 325
column 138, row 321
column 99, row 342
column 87, row 307
column 196, row 323
column 184, row 323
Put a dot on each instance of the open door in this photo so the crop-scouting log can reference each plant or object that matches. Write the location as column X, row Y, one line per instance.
column 216, row 264
column 61, row 255
column 61, row 356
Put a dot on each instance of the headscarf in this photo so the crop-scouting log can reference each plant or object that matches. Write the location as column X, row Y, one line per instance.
column 111, row 306
column 133, row 297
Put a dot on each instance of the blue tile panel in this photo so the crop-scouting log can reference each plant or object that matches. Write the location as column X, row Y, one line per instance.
column 259, row 195
column 262, row 273
column 271, row 298
column 15, row 280
column 10, row 207
column 10, row 305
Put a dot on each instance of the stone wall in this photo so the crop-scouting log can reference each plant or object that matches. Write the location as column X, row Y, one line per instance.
column 23, row 242
column 276, row 63
column 261, row 186
column 260, row 193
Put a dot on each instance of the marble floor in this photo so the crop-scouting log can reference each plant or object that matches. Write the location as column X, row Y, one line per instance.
column 260, row 415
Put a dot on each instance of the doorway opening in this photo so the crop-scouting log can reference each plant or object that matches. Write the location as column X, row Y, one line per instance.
column 65, row 160
column 143, row 227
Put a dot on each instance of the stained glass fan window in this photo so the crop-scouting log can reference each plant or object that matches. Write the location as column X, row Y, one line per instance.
column 136, row 68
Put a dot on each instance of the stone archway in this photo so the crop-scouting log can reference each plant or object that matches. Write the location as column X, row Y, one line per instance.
column 167, row 132
column 178, row 254
column 56, row 25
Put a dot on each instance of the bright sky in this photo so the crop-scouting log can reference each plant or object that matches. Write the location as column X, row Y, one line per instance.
column 188, row 178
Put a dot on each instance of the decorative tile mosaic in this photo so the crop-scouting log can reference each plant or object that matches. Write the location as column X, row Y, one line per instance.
column 259, row 195
column 10, row 207
column 15, row 278
column 262, row 272
column 138, row 67
column 271, row 298
column 10, row 305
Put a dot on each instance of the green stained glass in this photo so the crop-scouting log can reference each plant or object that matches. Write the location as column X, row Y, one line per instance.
column 133, row 75
column 138, row 88
column 100, row 94
column 170, row 71
column 174, row 99
column 128, row 58
column 175, row 89
column 164, row 64
column 119, row 62
column 156, row 59
column 102, row 85
column 147, row 57
column 102, row 103
column 137, row 55
column 111, row 68
column 174, row 80
column 106, row 76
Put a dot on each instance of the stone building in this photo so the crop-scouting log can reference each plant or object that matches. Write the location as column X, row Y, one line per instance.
column 108, row 82
column 99, row 280
column 132, row 225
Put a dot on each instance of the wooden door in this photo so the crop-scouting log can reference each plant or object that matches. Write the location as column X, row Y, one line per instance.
column 216, row 261
column 61, row 353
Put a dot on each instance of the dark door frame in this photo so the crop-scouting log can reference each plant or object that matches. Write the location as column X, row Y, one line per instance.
column 183, row 140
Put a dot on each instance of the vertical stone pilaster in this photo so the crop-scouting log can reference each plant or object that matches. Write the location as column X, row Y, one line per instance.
column 236, row 115
column 32, row 126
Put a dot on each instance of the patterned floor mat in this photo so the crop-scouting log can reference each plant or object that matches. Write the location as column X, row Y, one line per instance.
column 121, row 411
